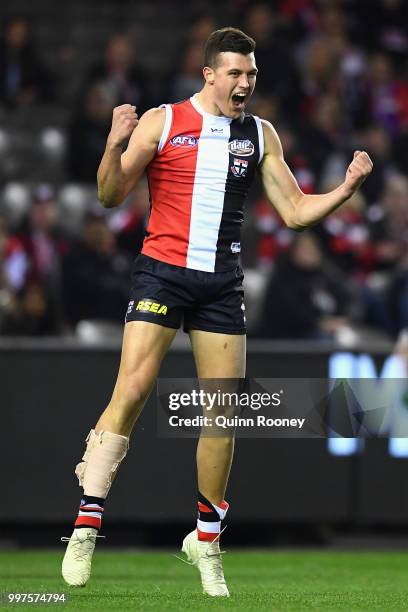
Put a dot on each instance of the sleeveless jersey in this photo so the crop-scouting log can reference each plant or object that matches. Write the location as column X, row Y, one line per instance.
column 198, row 183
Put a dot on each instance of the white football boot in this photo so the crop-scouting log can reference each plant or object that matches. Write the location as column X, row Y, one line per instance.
column 207, row 557
column 76, row 566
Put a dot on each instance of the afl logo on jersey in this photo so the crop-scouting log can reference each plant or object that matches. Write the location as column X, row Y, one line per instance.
column 244, row 148
column 184, row 140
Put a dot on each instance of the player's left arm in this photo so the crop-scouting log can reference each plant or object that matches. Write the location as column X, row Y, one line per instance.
column 297, row 209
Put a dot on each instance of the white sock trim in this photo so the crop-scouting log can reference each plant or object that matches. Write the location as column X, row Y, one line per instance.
column 209, row 527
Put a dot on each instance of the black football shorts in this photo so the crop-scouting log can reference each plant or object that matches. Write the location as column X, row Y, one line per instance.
column 166, row 295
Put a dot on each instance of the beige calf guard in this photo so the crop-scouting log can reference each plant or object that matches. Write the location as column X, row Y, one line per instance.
column 103, row 455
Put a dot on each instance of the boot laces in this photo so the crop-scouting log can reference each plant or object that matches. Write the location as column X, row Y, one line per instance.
column 213, row 563
column 82, row 548
column 207, row 554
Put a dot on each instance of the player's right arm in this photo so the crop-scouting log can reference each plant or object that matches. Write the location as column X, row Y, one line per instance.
column 119, row 172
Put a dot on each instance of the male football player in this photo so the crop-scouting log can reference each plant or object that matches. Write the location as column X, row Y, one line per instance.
column 200, row 156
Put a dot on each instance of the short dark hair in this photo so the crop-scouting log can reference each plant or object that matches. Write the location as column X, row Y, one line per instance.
column 227, row 39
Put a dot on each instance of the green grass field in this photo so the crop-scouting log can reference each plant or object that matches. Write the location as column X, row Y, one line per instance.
column 258, row 581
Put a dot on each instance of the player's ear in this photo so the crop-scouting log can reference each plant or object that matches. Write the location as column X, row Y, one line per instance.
column 208, row 74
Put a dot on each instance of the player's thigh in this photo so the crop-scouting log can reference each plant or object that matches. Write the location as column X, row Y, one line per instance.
column 218, row 355
column 220, row 362
column 143, row 348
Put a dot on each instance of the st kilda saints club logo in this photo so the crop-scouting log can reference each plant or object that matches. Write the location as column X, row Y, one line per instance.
column 240, row 167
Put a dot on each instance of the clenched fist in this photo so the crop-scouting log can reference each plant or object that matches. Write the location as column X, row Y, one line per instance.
column 358, row 171
column 124, row 121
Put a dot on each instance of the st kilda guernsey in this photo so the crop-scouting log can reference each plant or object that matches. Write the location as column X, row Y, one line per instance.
column 198, row 182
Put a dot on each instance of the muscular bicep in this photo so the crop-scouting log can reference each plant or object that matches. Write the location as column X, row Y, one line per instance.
column 142, row 146
column 279, row 183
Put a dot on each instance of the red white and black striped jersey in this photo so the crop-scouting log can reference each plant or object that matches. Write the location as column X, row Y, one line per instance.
column 198, row 182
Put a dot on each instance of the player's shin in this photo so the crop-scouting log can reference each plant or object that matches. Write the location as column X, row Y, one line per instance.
column 103, row 455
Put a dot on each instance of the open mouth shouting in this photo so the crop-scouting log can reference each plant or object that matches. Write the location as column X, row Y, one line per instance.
column 238, row 101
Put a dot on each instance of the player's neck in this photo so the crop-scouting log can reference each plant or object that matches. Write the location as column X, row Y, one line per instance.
column 206, row 102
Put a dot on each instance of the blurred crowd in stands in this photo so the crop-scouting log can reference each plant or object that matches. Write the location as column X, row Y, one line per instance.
column 333, row 78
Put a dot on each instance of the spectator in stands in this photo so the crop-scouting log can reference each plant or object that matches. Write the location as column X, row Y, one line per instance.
column 189, row 77
column 12, row 270
column 388, row 95
column 377, row 142
column 120, row 73
column 299, row 16
column 42, row 240
column 322, row 135
column 88, row 132
column 96, row 275
column 14, row 262
column 318, row 60
column 129, row 222
column 186, row 77
column 23, row 77
column 201, row 28
column 384, row 27
column 353, row 83
column 307, row 297
column 346, row 238
column 400, row 152
column 35, row 314
column 389, row 223
column 266, row 106
column 397, row 297
column 320, row 79
column 278, row 74
column 382, row 260
column 393, row 248
column 273, row 237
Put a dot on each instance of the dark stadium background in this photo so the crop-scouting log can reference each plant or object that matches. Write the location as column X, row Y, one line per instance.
column 333, row 78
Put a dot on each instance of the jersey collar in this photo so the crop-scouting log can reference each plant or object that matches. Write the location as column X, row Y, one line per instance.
column 215, row 118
